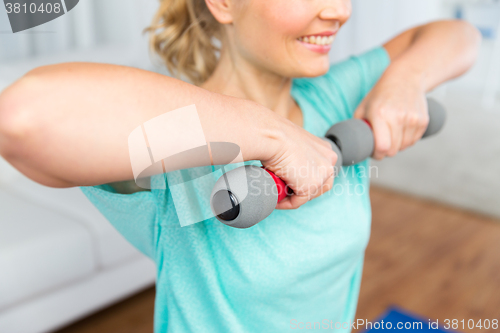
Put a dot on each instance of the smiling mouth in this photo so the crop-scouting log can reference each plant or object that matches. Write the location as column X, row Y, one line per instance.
column 317, row 40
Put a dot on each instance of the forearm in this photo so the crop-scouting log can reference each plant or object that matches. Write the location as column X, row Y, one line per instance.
column 421, row 59
column 68, row 125
column 437, row 52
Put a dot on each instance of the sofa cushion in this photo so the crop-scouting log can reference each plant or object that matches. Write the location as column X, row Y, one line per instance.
column 39, row 250
column 111, row 247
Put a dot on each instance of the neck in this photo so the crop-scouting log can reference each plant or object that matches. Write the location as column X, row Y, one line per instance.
column 236, row 77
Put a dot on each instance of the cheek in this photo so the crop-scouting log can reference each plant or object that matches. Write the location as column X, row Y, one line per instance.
column 285, row 20
column 269, row 29
column 267, row 32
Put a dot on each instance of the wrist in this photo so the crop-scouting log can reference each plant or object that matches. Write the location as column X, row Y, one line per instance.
column 265, row 135
column 257, row 131
column 410, row 72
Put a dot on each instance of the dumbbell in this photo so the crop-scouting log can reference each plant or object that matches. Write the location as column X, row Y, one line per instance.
column 247, row 195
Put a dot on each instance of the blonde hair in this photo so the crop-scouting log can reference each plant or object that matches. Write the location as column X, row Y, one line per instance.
column 182, row 34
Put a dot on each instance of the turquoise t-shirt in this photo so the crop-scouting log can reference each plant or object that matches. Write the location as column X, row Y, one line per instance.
column 296, row 267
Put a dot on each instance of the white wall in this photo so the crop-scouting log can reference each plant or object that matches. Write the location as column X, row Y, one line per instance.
column 92, row 23
column 373, row 22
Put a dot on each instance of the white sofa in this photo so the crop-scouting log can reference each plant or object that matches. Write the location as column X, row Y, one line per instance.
column 60, row 260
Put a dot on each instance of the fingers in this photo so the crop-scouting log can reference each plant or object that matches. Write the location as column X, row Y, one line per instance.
column 292, row 202
column 396, row 138
column 297, row 200
column 423, row 123
column 305, row 163
column 413, row 125
column 409, row 134
column 398, row 130
column 317, row 180
column 416, row 124
column 383, row 137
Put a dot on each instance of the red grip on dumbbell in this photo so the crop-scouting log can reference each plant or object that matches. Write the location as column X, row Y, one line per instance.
column 282, row 189
column 368, row 123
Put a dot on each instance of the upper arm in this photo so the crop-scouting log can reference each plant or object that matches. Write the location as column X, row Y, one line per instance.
column 400, row 43
column 81, row 115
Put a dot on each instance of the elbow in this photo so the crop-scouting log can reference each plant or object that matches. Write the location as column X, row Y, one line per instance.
column 470, row 31
column 18, row 128
column 471, row 40
column 475, row 40
column 15, row 120
column 464, row 42
column 471, row 34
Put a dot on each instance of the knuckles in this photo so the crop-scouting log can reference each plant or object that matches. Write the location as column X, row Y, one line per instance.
column 413, row 120
column 417, row 120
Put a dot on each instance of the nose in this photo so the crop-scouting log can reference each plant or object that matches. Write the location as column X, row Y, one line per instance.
column 336, row 10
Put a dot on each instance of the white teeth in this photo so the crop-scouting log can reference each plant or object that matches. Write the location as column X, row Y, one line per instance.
column 318, row 40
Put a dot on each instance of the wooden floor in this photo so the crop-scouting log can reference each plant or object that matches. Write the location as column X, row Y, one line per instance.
column 134, row 315
column 438, row 262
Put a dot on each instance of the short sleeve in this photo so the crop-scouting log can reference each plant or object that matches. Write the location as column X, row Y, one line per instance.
column 356, row 76
column 133, row 215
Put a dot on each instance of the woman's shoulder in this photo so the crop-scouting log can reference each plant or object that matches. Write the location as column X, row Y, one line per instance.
column 346, row 82
column 370, row 64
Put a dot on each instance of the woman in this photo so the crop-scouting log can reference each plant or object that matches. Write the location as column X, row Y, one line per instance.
column 298, row 266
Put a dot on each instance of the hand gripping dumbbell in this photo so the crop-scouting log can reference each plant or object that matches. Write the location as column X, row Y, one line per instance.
column 245, row 196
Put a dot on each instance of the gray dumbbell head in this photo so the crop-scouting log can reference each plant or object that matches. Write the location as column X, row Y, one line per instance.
column 244, row 196
column 354, row 138
column 437, row 117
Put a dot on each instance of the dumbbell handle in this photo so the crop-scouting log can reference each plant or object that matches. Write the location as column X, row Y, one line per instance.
column 365, row 148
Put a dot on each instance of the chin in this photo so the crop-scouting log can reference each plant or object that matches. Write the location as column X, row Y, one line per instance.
column 314, row 70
